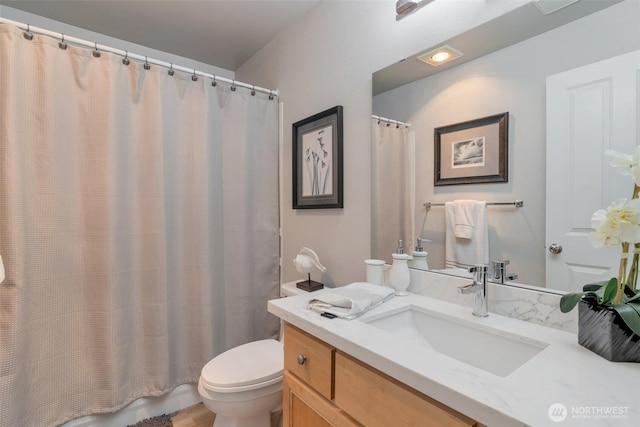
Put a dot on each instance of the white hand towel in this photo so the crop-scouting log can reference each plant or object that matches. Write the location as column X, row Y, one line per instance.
column 465, row 217
column 465, row 252
column 350, row 301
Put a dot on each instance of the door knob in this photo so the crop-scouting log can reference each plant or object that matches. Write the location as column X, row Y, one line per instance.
column 555, row 248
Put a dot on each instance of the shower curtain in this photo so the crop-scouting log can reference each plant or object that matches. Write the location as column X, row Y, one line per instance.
column 138, row 226
column 391, row 188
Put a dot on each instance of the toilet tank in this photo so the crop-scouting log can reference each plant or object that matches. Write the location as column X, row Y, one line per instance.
column 289, row 289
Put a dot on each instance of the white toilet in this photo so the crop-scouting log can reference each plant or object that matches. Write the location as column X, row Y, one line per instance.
column 243, row 385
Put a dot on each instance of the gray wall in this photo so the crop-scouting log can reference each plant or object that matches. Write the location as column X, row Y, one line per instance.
column 512, row 80
column 327, row 59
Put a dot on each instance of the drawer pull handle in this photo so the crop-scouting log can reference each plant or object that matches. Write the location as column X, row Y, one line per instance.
column 301, row 359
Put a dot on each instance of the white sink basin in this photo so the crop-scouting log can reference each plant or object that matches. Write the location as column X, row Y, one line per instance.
column 484, row 347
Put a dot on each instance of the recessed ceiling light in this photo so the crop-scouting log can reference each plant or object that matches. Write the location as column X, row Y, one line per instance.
column 440, row 55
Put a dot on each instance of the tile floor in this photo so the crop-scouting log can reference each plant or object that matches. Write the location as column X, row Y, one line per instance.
column 199, row 416
column 194, row 416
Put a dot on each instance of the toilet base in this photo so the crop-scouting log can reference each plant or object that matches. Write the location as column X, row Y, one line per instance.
column 262, row 420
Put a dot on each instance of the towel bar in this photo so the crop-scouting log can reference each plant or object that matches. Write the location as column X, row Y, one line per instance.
column 515, row 204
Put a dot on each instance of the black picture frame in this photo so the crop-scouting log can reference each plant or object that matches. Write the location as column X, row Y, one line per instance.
column 317, row 161
column 472, row 152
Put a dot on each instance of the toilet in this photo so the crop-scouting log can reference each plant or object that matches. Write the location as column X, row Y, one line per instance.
column 243, row 385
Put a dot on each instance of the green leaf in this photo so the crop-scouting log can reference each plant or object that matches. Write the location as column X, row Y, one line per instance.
column 636, row 306
column 629, row 315
column 592, row 287
column 633, row 298
column 610, row 291
column 569, row 301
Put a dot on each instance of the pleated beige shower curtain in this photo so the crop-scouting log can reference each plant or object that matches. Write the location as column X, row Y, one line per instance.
column 138, row 226
column 391, row 175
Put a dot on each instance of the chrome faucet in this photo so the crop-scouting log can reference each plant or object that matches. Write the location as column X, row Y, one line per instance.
column 498, row 271
column 479, row 290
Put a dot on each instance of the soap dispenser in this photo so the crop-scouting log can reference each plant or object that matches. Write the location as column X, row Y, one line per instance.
column 399, row 277
column 419, row 260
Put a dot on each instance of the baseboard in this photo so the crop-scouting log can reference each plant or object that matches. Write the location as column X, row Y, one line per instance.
column 146, row 407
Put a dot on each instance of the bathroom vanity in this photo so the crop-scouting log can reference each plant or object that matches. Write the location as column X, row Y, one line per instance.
column 324, row 386
column 460, row 370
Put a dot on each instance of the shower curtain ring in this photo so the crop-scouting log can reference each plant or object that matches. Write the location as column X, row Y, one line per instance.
column 270, row 95
column 253, row 91
column 233, row 86
column 171, row 72
column 194, row 77
column 146, row 65
column 125, row 60
column 62, row 44
column 96, row 52
column 214, row 83
column 28, row 34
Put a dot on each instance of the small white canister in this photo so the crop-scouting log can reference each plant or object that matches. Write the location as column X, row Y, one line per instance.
column 375, row 270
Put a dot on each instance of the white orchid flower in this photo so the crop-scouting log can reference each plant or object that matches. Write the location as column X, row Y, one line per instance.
column 626, row 164
column 619, row 223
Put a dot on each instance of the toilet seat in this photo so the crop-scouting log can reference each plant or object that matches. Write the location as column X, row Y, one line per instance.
column 249, row 366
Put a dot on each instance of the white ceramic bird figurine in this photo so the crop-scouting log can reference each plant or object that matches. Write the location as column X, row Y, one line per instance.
column 306, row 261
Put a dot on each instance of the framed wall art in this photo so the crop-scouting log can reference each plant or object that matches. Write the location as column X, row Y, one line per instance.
column 472, row 152
column 317, row 161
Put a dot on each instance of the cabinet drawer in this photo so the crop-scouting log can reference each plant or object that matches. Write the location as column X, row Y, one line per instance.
column 309, row 359
column 375, row 399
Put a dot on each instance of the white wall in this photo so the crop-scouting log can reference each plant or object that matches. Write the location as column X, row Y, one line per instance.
column 326, row 59
column 512, row 80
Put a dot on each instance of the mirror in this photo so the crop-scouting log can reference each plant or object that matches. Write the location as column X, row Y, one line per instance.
column 503, row 68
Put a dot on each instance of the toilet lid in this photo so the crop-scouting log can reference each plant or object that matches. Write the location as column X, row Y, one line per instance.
column 250, row 363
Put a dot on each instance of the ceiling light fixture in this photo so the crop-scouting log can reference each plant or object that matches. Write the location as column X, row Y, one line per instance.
column 407, row 7
column 440, row 55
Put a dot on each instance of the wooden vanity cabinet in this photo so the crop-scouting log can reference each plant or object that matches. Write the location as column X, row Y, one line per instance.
column 308, row 382
column 325, row 387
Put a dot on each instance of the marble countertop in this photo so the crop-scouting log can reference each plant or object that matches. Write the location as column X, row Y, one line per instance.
column 563, row 373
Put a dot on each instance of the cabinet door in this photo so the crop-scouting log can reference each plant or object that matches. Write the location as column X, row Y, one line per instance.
column 375, row 399
column 303, row 407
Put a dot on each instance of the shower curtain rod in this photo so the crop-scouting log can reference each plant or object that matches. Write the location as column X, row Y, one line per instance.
column 29, row 29
column 390, row 121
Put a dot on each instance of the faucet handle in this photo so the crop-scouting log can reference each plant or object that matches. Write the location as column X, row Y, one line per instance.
column 480, row 268
column 498, row 269
column 500, row 265
column 479, row 273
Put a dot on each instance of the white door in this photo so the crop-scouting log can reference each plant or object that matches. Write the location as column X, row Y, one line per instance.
column 589, row 110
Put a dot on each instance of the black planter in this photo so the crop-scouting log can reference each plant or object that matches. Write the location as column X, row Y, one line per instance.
column 601, row 330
